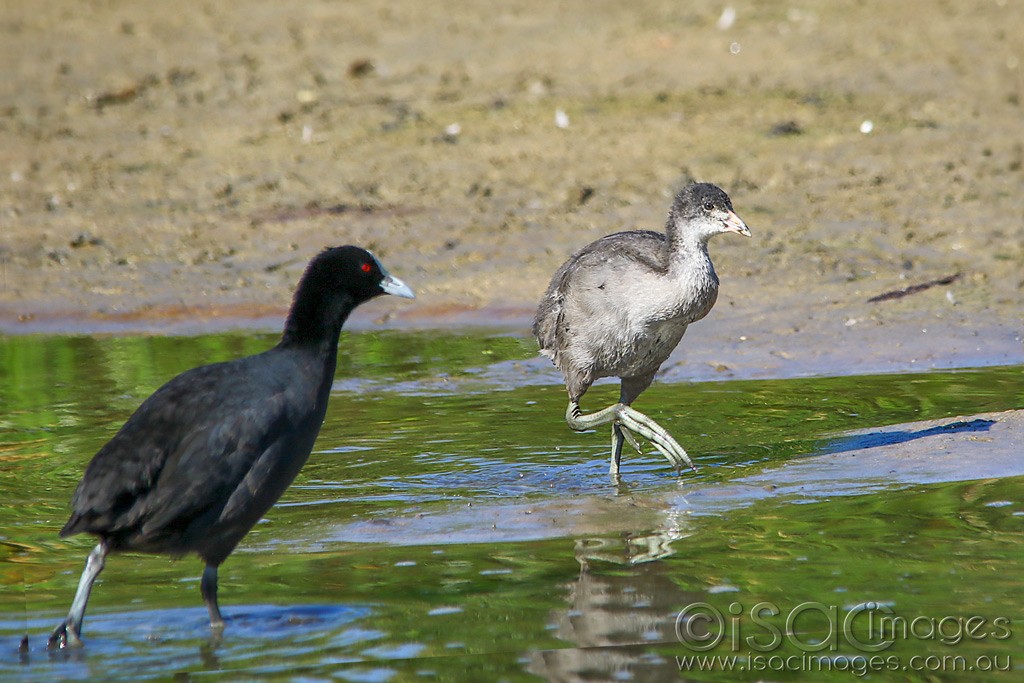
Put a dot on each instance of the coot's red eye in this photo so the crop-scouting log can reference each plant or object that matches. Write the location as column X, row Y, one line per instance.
column 366, row 267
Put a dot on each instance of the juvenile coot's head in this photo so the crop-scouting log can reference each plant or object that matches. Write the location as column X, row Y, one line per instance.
column 704, row 210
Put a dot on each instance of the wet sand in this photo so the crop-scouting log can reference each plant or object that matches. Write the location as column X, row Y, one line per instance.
column 174, row 171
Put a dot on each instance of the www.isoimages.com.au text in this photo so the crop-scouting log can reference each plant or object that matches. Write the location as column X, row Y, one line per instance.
column 858, row 665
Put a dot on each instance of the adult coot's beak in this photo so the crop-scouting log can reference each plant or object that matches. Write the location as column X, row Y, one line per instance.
column 734, row 223
column 392, row 285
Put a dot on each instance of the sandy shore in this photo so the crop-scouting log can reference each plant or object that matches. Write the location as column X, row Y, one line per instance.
column 174, row 171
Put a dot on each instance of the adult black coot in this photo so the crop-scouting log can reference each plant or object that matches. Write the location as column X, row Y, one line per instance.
column 619, row 306
column 204, row 457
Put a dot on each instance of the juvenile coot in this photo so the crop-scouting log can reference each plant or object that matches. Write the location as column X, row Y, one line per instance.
column 204, row 457
column 619, row 306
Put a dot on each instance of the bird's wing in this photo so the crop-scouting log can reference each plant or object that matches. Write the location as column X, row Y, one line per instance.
column 634, row 248
column 627, row 250
column 163, row 436
column 549, row 314
column 210, row 464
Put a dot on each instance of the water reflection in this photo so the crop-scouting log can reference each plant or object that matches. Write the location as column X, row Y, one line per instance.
column 144, row 641
column 445, row 526
column 608, row 621
column 619, row 615
column 597, row 606
column 611, row 615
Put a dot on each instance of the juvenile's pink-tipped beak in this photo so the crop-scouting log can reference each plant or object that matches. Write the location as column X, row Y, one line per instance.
column 734, row 223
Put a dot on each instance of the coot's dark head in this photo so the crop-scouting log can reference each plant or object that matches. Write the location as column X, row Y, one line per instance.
column 336, row 281
column 702, row 210
column 352, row 271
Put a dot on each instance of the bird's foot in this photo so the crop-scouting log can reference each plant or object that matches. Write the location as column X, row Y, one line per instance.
column 216, row 635
column 630, row 420
column 63, row 637
column 627, row 421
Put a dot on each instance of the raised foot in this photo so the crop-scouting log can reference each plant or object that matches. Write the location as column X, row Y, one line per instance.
column 635, row 421
column 630, row 421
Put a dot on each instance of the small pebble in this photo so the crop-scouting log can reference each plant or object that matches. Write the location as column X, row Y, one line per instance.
column 727, row 19
column 785, row 128
column 360, row 68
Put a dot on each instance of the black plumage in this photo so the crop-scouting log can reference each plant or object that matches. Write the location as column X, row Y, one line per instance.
column 204, row 457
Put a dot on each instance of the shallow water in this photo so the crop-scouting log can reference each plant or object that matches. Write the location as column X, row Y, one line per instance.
column 450, row 526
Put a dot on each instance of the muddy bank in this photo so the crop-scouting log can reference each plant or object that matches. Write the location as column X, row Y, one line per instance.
column 174, row 171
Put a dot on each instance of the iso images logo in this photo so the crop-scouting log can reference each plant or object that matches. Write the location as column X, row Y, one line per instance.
column 814, row 627
column 819, row 631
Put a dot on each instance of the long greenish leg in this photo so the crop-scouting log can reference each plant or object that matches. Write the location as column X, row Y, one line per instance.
column 579, row 422
column 618, row 438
